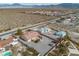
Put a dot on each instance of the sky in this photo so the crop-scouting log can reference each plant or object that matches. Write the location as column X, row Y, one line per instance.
column 54, row 2
column 39, row 1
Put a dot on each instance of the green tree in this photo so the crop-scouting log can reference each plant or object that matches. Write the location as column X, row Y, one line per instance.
column 19, row 32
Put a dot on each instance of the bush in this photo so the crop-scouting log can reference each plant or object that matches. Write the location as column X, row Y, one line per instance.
column 36, row 41
column 30, row 52
column 19, row 32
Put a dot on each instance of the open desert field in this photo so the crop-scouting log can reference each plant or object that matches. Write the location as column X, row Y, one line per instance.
column 19, row 17
column 12, row 18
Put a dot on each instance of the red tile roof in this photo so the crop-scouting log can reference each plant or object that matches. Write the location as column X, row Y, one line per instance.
column 6, row 41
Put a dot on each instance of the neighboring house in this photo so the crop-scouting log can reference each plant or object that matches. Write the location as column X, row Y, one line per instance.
column 45, row 29
column 60, row 33
column 6, row 41
column 4, row 44
column 9, row 41
column 6, row 53
column 67, row 21
column 55, row 13
column 31, row 36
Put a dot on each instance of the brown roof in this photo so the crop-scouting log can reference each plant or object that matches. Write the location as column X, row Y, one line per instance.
column 6, row 41
column 31, row 34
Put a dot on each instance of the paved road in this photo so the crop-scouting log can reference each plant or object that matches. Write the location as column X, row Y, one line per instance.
column 29, row 26
column 4, row 34
column 42, row 46
column 74, row 36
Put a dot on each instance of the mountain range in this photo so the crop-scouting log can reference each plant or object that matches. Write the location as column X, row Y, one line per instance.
column 19, row 5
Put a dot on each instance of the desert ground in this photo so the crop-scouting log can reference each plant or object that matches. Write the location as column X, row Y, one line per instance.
column 12, row 18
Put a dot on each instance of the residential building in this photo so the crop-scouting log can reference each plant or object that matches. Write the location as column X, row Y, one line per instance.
column 31, row 36
column 6, row 53
column 60, row 33
column 3, row 43
column 7, row 42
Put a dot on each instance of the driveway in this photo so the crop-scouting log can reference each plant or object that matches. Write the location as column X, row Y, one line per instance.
column 42, row 46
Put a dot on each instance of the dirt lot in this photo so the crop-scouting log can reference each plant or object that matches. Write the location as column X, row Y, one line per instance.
column 12, row 18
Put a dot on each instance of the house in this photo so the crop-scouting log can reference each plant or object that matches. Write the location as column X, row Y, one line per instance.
column 31, row 36
column 60, row 33
column 57, row 13
column 4, row 44
column 43, row 29
column 6, row 53
column 67, row 21
column 8, row 41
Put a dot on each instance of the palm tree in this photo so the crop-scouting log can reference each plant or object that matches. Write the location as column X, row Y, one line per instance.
column 62, row 49
column 63, row 45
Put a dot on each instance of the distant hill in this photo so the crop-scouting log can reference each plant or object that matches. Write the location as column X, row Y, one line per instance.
column 69, row 5
column 62, row 5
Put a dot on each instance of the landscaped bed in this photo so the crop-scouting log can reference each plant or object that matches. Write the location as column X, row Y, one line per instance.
column 30, row 52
